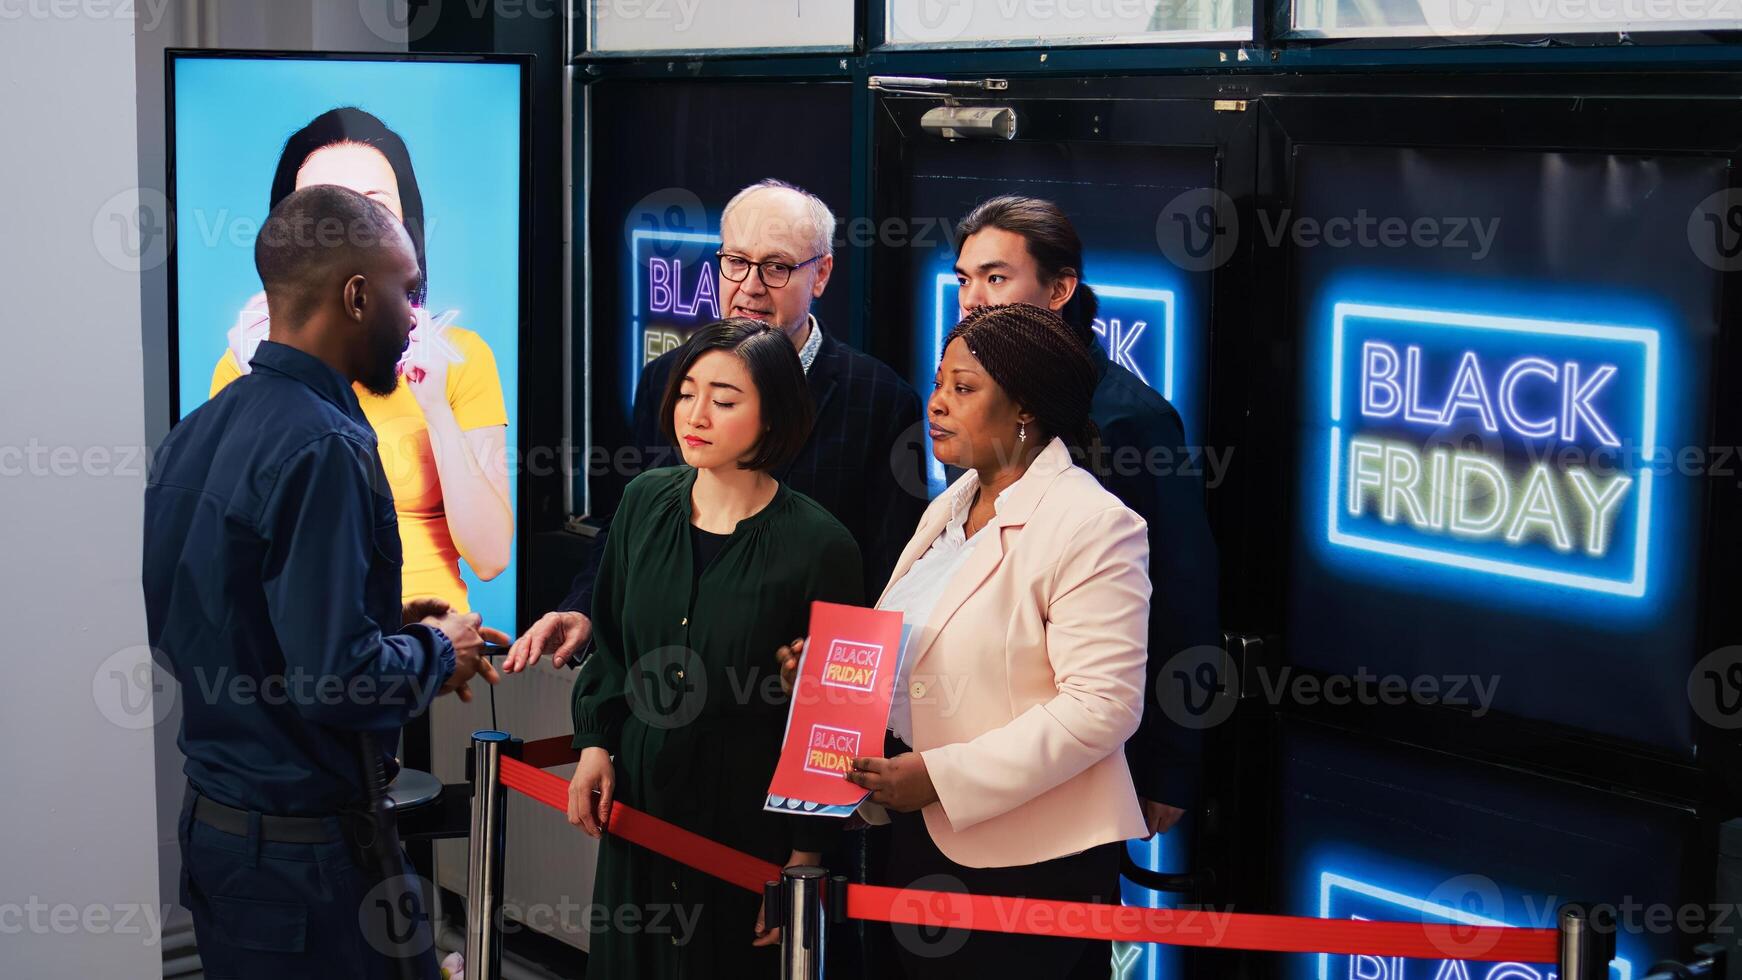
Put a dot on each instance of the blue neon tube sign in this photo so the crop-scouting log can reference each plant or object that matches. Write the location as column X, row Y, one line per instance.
column 1345, row 897
column 679, row 285
column 1140, row 337
column 1562, row 414
column 1136, row 326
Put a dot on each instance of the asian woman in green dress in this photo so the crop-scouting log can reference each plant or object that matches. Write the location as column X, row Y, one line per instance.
column 678, row 711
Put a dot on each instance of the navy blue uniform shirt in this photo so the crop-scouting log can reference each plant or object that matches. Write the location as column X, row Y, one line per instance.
column 271, row 575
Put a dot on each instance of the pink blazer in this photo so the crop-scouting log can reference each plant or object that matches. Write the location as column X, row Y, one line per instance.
column 1033, row 677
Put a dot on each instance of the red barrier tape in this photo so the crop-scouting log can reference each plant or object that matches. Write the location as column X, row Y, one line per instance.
column 1197, row 927
column 1079, row 920
column 680, row 845
column 547, row 753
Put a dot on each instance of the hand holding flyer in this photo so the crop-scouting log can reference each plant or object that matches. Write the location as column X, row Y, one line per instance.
column 839, row 710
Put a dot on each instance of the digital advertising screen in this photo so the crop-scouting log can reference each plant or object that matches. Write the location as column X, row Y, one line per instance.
column 665, row 160
column 1378, row 831
column 440, row 144
column 1154, row 314
column 1503, row 373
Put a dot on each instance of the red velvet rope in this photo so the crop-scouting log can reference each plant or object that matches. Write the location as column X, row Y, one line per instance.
column 683, row 846
column 1079, row 920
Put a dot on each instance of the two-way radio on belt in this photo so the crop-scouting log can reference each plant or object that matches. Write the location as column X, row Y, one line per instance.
column 386, row 854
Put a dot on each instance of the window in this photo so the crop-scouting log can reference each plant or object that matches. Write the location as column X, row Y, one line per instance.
column 987, row 23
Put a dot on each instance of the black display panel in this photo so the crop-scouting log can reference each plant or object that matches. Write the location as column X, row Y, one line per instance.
column 1381, row 831
column 1503, row 366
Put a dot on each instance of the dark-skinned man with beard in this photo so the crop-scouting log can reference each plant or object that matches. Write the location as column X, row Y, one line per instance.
column 272, row 589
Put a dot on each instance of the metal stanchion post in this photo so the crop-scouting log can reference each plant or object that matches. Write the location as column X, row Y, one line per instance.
column 484, row 870
column 1585, row 949
column 804, row 926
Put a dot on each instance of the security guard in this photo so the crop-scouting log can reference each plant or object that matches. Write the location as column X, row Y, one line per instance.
column 271, row 573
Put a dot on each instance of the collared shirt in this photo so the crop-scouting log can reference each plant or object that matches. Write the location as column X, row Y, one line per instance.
column 812, row 344
column 272, row 586
column 918, row 591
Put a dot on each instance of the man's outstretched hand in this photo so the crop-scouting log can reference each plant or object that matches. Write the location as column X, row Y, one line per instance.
column 469, row 635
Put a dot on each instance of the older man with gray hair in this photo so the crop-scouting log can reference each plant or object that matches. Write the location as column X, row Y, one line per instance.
column 776, row 257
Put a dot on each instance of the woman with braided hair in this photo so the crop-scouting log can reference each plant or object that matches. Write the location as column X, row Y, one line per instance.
column 1012, row 249
column 1025, row 593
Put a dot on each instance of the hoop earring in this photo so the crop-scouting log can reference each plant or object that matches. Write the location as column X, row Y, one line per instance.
column 1022, row 432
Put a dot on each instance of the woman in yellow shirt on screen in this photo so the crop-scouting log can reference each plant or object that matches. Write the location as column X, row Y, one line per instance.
column 443, row 431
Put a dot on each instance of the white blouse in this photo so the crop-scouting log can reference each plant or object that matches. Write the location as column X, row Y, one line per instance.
column 917, row 592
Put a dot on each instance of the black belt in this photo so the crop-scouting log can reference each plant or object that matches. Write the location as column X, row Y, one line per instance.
column 284, row 830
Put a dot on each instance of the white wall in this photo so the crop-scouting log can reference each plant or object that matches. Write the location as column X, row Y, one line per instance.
column 78, row 873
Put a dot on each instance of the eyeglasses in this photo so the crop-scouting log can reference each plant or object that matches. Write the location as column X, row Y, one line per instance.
column 774, row 273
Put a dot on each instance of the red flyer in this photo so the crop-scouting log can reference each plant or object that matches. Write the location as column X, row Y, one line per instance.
column 839, row 710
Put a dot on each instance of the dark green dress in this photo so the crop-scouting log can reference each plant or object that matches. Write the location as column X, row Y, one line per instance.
column 683, row 689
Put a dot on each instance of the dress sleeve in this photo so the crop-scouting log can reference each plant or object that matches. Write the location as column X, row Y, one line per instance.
column 600, row 701
column 839, row 574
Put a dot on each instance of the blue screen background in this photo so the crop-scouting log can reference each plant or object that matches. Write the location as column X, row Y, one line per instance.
column 461, row 124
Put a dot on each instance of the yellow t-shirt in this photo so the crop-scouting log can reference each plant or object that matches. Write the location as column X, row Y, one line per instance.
column 432, row 562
